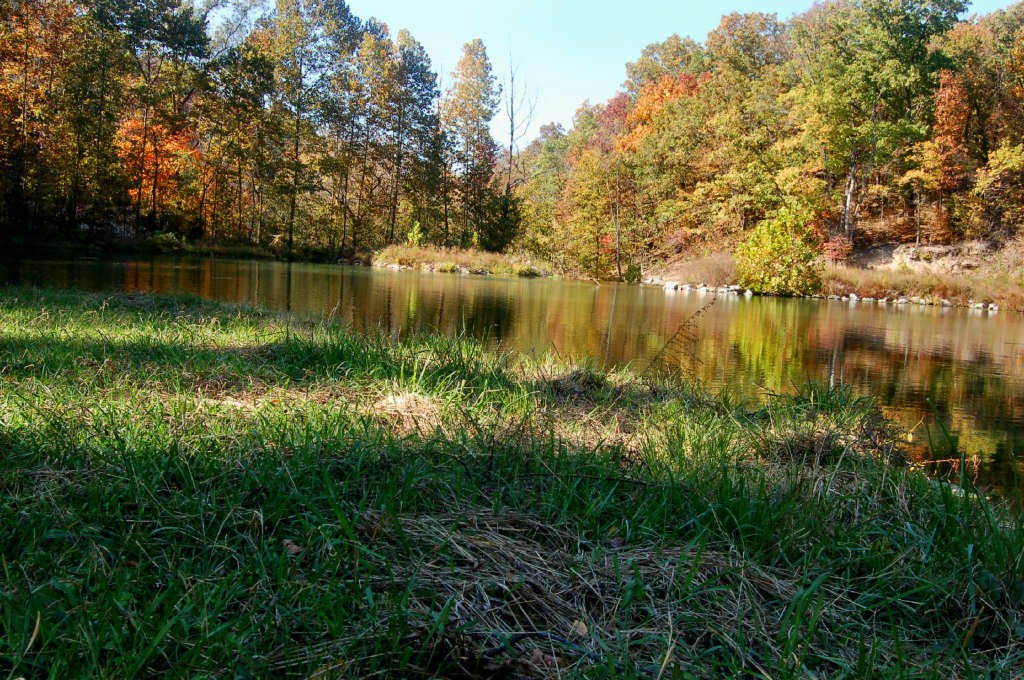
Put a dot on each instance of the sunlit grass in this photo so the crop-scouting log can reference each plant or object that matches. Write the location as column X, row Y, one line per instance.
column 193, row 489
column 461, row 260
column 1002, row 289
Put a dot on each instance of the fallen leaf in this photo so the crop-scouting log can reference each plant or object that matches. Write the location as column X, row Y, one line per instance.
column 579, row 628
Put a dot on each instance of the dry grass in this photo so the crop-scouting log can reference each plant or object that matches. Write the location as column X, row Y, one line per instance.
column 460, row 260
column 716, row 269
column 1002, row 289
column 534, row 598
column 408, row 412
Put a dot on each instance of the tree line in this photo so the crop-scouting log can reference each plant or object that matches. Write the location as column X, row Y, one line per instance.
column 297, row 124
column 854, row 123
column 301, row 126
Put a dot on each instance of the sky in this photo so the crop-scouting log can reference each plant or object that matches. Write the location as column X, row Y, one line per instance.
column 564, row 51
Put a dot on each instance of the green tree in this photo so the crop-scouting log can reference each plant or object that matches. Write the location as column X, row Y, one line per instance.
column 868, row 75
column 469, row 105
column 778, row 256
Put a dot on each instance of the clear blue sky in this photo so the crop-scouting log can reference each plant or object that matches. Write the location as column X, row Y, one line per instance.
column 566, row 51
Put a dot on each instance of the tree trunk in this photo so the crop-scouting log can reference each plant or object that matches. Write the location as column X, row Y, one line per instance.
column 398, row 176
column 295, row 186
column 849, row 206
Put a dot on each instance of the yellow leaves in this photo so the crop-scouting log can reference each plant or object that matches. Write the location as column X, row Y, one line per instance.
column 1004, row 163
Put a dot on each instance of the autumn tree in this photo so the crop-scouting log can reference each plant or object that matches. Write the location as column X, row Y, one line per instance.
column 235, row 127
column 165, row 43
column 38, row 46
column 469, row 105
column 868, row 75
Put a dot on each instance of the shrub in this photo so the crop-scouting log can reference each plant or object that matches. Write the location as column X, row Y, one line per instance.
column 415, row 235
column 778, row 257
column 165, row 242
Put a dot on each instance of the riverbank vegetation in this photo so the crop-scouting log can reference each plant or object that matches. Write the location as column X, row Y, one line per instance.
column 972, row 274
column 189, row 486
column 460, row 260
column 303, row 130
column 854, row 124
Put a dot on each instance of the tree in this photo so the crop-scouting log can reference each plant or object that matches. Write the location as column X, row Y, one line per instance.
column 234, row 127
column 39, row 42
column 411, row 119
column 868, row 76
column 301, row 52
column 165, row 42
column 470, row 104
column 672, row 57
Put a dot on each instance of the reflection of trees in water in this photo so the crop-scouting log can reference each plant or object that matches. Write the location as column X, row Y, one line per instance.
column 777, row 345
column 490, row 317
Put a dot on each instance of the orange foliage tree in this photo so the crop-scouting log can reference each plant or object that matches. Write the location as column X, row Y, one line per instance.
column 159, row 159
column 654, row 97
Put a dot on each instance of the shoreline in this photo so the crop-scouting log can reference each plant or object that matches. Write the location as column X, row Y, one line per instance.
column 852, row 298
column 891, row 282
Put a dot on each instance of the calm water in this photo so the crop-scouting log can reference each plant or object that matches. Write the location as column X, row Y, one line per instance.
column 931, row 369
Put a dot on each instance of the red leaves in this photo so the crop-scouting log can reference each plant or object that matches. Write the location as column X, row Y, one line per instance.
column 155, row 156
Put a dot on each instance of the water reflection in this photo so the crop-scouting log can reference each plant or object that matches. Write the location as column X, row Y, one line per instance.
column 930, row 368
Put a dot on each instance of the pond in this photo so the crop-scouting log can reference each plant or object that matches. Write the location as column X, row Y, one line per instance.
column 953, row 378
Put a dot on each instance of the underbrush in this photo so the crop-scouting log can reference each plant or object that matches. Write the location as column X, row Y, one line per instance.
column 189, row 488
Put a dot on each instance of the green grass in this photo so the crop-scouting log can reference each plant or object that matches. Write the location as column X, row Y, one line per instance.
column 193, row 489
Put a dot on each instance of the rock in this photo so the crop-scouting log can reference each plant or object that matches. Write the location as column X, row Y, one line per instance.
column 671, row 285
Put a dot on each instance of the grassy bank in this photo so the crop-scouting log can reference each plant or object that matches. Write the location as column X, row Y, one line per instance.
column 1004, row 288
column 998, row 280
column 460, row 260
column 191, row 489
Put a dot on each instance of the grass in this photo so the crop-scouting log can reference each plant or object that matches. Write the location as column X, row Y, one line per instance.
column 460, row 260
column 1001, row 288
column 194, row 489
column 716, row 269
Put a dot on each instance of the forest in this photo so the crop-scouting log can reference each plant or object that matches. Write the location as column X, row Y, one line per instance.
column 303, row 128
